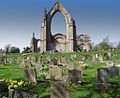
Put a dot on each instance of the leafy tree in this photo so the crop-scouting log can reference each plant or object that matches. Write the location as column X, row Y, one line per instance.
column 14, row 50
column 26, row 50
column 105, row 45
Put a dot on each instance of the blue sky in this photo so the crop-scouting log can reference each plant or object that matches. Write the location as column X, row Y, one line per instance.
column 20, row 18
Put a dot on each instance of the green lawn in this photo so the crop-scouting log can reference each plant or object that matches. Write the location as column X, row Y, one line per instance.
column 11, row 71
column 86, row 90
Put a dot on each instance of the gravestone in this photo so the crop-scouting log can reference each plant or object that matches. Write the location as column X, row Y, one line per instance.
column 114, row 71
column 30, row 75
column 2, row 60
column 109, row 63
column 75, row 56
column 29, row 71
column 103, row 75
column 11, row 93
column 109, row 55
column 64, row 60
column 101, row 58
column 59, row 60
column 53, row 62
column 96, row 56
column 33, row 59
column 72, row 56
column 74, row 74
column 83, row 58
column 3, row 87
column 103, row 79
column 24, row 95
column 55, row 71
column 59, row 89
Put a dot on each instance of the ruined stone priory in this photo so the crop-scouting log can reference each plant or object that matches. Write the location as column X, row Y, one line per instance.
column 69, row 42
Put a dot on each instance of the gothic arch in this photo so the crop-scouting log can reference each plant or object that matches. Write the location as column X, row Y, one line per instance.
column 46, row 36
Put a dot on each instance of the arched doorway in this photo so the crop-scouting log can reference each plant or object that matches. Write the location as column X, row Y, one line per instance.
column 48, row 40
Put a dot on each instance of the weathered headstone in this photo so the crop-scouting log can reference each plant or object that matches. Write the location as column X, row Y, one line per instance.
column 74, row 74
column 59, row 89
column 59, row 60
column 30, row 75
column 103, row 75
column 109, row 63
column 109, row 55
column 53, row 62
column 3, row 87
column 114, row 71
column 103, row 79
column 64, row 60
column 11, row 93
column 83, row 58
column 56, row 72
column 100, row 58
column 29, row 71
column 96, row 56
column 24, row 95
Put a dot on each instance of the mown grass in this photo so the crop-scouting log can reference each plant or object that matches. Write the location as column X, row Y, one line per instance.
column 11, row 71
column 85, row 90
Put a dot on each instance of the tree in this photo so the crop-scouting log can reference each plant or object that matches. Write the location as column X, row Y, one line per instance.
column 14, row 50
column 26, row 50
column 105, row 45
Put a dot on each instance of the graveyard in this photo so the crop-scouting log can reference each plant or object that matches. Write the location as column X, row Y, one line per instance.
column 93, row 74
column 74, row 50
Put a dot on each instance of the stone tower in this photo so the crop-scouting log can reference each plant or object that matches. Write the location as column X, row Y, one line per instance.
column 47, row 41
column 33, row 44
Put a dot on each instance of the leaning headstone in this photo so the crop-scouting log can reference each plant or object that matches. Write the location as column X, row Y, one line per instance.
column 103, row 79
column 114, row 71
column 29, row 71
column 59, row 89
column 30, row 75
